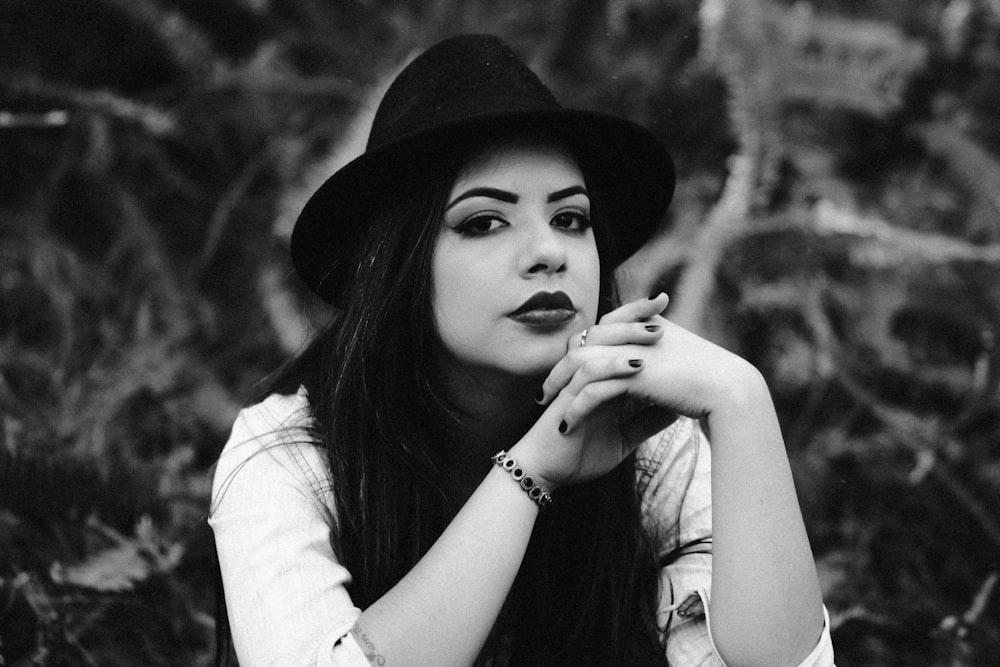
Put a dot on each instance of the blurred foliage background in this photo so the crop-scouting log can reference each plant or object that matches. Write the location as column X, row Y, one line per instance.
column 837, row 221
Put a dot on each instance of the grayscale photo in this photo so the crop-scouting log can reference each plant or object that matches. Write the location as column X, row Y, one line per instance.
column 468, row 333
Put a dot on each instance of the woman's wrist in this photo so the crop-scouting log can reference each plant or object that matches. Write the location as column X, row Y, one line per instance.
column 532, row 487
column 743, row 405
column 742, row 388
column 527, row 456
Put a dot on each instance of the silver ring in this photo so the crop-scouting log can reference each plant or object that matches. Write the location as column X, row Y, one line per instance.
column 583, row 338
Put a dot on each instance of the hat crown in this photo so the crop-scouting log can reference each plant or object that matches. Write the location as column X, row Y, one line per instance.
column 458, row 79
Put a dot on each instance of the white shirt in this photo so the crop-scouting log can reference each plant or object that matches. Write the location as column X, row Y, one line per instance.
column 273, row 514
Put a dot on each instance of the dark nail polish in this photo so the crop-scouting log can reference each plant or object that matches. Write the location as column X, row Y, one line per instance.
column 539, row 396
column 635, row 363
column 563, row 426
column 652, row 328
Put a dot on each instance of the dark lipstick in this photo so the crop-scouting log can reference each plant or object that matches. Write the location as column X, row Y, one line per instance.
column 545, row 309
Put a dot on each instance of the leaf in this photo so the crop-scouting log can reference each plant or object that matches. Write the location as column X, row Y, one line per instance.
column 119, row 568
column 112, row 570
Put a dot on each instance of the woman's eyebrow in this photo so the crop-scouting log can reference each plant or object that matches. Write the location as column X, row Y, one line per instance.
column 568, row 192
column 493, row 193
column 511, row 198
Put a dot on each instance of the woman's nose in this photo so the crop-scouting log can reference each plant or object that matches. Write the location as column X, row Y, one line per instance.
column 545, row 251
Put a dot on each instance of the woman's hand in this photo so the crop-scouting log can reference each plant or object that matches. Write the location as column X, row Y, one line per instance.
column 682, row 373
column 635, row 374
column 603, row 372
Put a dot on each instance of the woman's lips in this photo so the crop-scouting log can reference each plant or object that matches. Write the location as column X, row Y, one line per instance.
column 545, row 310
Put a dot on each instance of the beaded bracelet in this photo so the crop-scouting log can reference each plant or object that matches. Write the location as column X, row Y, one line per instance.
column 535, row 492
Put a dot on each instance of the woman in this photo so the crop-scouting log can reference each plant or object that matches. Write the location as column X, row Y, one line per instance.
column 484, row 459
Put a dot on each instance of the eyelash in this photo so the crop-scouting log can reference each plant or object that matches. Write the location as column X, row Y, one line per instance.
column 579, row 218
column 468, row 226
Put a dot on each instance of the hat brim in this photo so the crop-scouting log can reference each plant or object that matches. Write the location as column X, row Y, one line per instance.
column 620, row 160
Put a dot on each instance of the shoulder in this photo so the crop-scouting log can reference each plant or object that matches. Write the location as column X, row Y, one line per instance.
column 274, row 413
column 272, row 442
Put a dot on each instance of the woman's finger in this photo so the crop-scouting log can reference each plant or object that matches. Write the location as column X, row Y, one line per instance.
column 638, row 333
column 638, row 310
column 584, row 365
column 597, row 370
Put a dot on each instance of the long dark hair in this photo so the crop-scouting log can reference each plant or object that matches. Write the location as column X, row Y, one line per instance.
column 587, row 590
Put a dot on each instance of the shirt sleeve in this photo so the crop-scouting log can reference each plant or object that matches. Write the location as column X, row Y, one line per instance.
column 271, row 515
column 674, row 472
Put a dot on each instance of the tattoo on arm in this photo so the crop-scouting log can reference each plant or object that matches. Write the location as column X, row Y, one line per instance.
column 368, row 646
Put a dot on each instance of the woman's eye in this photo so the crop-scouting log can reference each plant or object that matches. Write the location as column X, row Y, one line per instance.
column 480, row 224
column 571, row 220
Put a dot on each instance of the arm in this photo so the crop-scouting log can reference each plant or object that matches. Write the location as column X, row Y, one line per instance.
column 285, row 591
column 442, row 611
column 762, row 559
column 675, row 482
column 766, row 608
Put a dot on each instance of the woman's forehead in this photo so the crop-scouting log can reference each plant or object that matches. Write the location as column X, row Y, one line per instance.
column 519, row 162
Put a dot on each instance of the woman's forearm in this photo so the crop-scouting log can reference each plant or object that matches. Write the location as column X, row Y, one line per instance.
column 442, row 611
column 766, row 604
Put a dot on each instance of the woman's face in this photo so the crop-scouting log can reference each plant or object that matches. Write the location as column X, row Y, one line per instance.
column 515, row 268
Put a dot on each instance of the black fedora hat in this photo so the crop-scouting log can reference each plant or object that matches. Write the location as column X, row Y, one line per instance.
column 466, row 89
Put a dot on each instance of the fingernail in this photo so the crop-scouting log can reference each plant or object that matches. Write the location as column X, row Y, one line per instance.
column 539, row 395
column 563, row 426
column 635, row 363
column 652, row 328
column 654, row 296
